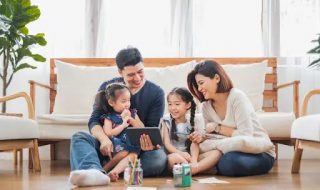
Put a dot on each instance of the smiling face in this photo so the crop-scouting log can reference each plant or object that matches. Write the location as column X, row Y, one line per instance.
column 133, row 76
column 177, row 107
column 207, row 86
column 121, row 102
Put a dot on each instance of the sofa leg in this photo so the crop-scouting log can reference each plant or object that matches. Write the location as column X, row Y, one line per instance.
column 53, row 151
column 297, row 157
column 15, row 157
column 35, row 156
column 30, row 163
column 21, row 156
column 276, row 145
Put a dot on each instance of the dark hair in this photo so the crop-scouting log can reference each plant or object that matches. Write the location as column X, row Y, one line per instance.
column 187, row 97
column 208, row 68
column 128, row 57
column 111, row 92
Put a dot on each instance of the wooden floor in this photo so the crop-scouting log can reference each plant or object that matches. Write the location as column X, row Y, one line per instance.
column 55, row 174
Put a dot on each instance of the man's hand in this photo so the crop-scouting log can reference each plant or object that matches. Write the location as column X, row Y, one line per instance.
column 106, row 148
column 146, row 143
column 195, row 137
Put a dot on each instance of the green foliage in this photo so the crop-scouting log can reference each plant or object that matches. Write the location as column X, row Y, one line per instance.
column 15, row 41
column 315, row 50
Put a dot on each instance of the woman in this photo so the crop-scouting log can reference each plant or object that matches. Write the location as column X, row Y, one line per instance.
column 228, row 113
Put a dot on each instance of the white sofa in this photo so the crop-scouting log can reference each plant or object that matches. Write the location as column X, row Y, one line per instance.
column 76, row 85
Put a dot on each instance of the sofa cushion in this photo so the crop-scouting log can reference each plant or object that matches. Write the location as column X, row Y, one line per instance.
column 61, row 126
column 277, row 124
column 78, row 85
column 307, row 128
column 250, row 79
column 18, row 128
column 169, row 77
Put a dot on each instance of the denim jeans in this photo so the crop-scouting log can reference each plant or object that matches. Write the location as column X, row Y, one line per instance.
column 244, row 164
column 85, row 154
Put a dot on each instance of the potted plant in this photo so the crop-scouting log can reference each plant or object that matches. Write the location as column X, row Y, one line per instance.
column 315, row 50
column 15, row 40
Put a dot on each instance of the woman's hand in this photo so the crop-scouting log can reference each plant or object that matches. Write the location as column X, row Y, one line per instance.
column 106, row 148
column 146, row 143
column 196, row 137
column 210, row 127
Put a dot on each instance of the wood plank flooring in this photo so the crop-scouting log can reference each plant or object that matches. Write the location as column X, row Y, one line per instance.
column 54, row 175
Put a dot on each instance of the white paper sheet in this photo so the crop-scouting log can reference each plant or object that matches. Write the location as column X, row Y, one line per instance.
column 210, row 180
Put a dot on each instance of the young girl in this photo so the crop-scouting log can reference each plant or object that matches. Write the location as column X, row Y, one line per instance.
column 177, row 128
column 115, row 103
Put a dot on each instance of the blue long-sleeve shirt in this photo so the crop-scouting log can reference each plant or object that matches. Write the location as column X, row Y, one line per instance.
column 149, row 101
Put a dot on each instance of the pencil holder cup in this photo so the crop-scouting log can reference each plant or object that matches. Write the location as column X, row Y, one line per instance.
column 133, row 174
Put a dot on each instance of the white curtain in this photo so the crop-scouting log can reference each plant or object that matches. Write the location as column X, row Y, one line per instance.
column 92, row 25
column 182, row 27
column 271, row 27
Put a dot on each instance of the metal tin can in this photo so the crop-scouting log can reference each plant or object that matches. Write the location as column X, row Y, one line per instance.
column 177, row 175
column 186, row 175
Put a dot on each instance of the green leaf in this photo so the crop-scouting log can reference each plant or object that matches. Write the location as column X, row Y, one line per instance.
column 24, row 30
column 3, row 42
column 40, row 39
column 24, row 66
column 314, row 50
column 315, row 63
column 4, row 24
column 25, row 3
column 38, row 57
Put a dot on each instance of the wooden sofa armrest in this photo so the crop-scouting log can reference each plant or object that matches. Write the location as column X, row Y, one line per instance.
column 295, row 85
column 24, row 95
column 306, row 100
column 33, row 85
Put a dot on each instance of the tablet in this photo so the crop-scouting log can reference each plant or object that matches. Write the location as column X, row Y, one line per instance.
column 133, row 135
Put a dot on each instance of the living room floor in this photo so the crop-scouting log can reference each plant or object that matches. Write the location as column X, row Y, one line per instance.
column 54, row 175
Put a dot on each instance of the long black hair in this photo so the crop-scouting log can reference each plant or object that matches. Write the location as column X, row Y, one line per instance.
column 186, row 97
column 111, row 92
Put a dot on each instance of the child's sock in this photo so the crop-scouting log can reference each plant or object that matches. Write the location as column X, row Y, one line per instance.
column 89, row 177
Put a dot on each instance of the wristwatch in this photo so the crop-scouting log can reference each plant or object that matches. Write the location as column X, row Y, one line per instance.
column 218, row 128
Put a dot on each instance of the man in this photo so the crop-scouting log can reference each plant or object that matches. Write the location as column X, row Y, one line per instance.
column 88, row 152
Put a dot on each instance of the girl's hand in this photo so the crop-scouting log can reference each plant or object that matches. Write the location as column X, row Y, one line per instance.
column 125, row 113
column 196, row 137
column 126, row 121
column 210, row 127
column 185, row 155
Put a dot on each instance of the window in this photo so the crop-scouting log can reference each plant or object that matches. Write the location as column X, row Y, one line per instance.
column 299, row 24
column 144, row 24
column 227, row 28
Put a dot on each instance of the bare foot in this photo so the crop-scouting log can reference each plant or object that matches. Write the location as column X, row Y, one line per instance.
column 114, row 176
column 194, row 168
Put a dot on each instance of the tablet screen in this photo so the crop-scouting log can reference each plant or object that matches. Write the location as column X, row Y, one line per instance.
column 133, row 135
